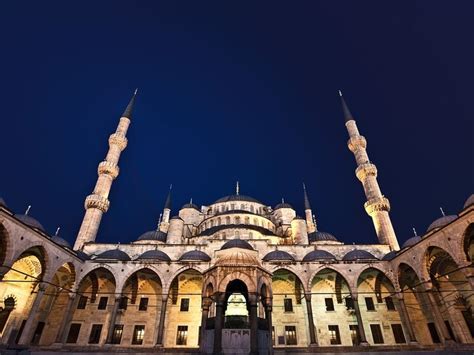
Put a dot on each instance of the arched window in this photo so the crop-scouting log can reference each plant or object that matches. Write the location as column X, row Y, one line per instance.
column 237, row 234
column 227, row 220
column 232, row 206
column 209, row 211
column 247, row 220
column 212, row 223
column 242, row 206
column 251, row 208
column 255, row 221
column 218, row 221
column 224, row 236
column 250, row 235
column 237, row 220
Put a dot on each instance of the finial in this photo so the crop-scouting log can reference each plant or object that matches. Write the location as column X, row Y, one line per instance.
column 118, row 245
column 129, row 109
column 27, row 210
column 282, row 200
column 191, row 201
column 442, row 212
column 237, row 188
column 159, row 221
column 414, row 232
column 345, row 109
column 57, row 232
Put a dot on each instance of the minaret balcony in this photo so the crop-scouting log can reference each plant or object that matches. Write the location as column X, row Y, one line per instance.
column 365, row 170
column 356, row 142
column 118, row 139
column 97, row 201
column 377, row 205
column 109, row 168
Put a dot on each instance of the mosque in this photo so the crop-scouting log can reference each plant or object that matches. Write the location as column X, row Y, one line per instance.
column 236, row 276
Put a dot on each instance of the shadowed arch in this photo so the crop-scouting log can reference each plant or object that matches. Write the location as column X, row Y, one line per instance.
column 92, row 279
column 134, row 280
column 4, row 243
column 339, row 281
column 468, row 242
column 381, row 279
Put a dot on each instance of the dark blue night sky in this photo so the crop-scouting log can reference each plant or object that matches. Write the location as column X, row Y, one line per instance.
column 237, row 91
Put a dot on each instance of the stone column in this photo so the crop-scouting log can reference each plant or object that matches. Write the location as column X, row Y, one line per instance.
column 360, row 323
column 268, row 317
column 218, row 323
column 67, row 317
column 253, row 325
column 27, row 334
column 405, row 318
column 206, row 303
column 161, row 326
column 309, row 308
column 111, row 324
column 439, row 321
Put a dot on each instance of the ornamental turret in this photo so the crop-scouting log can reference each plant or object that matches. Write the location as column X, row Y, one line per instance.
column 97, row 203
column 377, row 205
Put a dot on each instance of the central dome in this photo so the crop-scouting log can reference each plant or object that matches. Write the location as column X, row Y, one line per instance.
column 237, row 198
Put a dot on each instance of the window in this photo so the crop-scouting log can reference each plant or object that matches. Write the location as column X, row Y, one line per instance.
column 184, row 305
column 123, row 303
column 434, row 333
column 82, row 302
column 290, row 335
column 8, row 306
column 349, row 303
column 288, row 302
column 143, row 306
column 334, row 335
column 389, row 303
column 273, row 335
column 103, row 303
column 329, row 304
column 117, row 334
column 398, row 334
column 355, row 335
column 73, row 333
column 138, row 335
column 376, row 333
column 94, row 337
column 467, row 315
column 37, row 333
column 450, row 330
column 182, row 335
column 369, row 302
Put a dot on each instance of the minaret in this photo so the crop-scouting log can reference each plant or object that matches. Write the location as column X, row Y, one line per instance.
column 308, row 212
column 377, row 205
column 164, row 222
column 98, row 203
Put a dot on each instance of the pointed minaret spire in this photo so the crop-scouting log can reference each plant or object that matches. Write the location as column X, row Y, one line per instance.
column 98, row 203
column 310, row 220
column 129, row 109
column 377, row 205
column 237, row 188
column 345, row 109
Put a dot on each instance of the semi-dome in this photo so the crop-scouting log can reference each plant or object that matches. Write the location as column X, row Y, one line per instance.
column 390, row 255
column 114, row 254
column 237, row 258
column 61, row 241
column 195, row 255
column 319, row 236
column 237, row 243
column 30, row 221
column 469, row 201
column 358, row 254
column 278, row 255
column 319, row 255
column 155, row 235
column 441, row 222
column 155, row 255
column 190, row 205
column 283, row 205
column 237, row 198
column 411, row 241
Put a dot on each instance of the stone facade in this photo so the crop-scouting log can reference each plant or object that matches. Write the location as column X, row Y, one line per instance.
column 236, row 276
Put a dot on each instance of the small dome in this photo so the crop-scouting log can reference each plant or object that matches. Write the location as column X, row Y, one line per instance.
column 237, row 198
column 283, row 205
column 469, row 201
column 195, row 255
column 441, row 222
column 153, row 235
column 319, row 236
column 190, row 205
column 237, row 258
column 278, row 255
column 411, row 241
column 62, row 242
column 237, row 243
column 81, row 255
column 30, row 221
column 390, row 255
column 358, row 254
column 155, row 255
column 319, row 255
column 114, row 254
column 2, row 202
column 176, row 217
